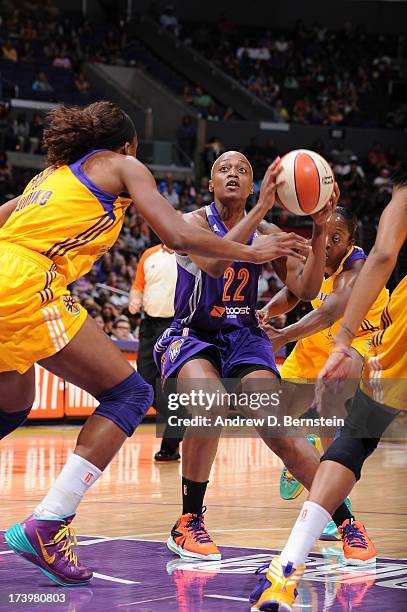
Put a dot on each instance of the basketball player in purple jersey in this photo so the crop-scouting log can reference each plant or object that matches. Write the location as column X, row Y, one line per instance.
column 215, row 333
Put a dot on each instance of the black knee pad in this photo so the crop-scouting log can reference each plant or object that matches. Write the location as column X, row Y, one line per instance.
column 9, row 421
column 361, row 433
column 351, row 452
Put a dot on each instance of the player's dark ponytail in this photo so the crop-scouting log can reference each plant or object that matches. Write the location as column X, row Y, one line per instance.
column 73, row 132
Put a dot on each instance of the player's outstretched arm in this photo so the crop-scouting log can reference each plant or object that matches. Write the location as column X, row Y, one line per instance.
column 280, row 303
column 304, row 280
column 138, row 181
column 391, row 235
column 281, row 244
column 330, row 311
column 6, row 209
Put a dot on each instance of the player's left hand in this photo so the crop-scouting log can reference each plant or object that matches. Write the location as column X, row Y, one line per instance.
column 270, row 184
column 337, row 369
column 321, row 217
column 276, row 337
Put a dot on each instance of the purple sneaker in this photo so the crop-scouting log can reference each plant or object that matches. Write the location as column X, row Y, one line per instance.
column 47, row 544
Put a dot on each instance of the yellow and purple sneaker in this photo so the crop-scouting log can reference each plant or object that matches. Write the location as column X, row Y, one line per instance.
column 47, row 544
column 277, row 590
column 290, row 487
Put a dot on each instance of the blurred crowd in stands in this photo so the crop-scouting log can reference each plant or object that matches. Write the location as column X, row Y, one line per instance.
column 308, row 74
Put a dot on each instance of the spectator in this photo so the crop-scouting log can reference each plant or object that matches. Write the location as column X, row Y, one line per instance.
column 28, row 32
column 212, row 150
column 202, row 100
column 61, row 59
column 377, row 157
column 27, row 52
column 170, row 189
column 229, row 114
column 82, row 85
column 121, row 329
column 280, row 112
column 99, row 321
column 186, row 136
column 187, row 95
column 9, row 51
column 109, row 314
column 36, row 132
column 6, row 174
column 169, row 21
column 41, row 83
column 383, row 182
column 21, row 129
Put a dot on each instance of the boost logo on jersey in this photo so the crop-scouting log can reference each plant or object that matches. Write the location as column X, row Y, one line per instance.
column 229, row 312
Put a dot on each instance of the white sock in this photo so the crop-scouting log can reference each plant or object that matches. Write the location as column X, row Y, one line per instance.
column 64, row 496
column 310, row 524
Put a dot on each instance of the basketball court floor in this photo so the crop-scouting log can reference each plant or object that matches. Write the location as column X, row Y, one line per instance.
column 124, row 521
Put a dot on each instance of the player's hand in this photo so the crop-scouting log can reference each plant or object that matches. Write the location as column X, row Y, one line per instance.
column 321, row 217
column 337, row 369
column 263, row 315
column 276, row 337
column 280, row 244
column 270, row 185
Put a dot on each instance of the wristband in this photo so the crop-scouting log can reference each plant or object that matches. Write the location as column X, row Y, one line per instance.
column 343, row 350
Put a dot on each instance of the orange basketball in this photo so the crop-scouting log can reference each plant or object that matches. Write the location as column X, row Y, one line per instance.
column 308, row 182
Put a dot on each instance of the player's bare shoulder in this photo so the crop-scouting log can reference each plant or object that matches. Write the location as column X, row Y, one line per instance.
column 197, row 217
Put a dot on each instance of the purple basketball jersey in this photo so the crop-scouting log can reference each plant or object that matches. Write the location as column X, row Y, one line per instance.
column 214, row 304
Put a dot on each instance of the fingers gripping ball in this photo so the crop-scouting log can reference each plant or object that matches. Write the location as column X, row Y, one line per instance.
column 308, row 182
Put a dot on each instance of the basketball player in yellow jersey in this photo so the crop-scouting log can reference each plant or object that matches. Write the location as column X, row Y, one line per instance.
column 380, row 397
column 67, row 217
column 315, row 332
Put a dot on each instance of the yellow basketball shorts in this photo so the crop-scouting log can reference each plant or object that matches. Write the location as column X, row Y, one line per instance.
column 308, row 357
column 38, row 315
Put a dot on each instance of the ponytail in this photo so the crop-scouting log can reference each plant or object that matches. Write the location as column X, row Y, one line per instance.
column 73, row 132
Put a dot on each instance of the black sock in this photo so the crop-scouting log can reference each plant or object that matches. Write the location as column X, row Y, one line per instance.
column 193, row 494
column 341, row 514
column 311, row 413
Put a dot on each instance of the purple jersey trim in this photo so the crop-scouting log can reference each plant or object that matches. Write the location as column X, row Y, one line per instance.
column 101, row 225
column 106, row 199
column 356, row 254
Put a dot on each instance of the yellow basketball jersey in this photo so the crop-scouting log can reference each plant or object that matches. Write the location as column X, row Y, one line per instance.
column 385, row 373
column 371, row 323
column 67, row 218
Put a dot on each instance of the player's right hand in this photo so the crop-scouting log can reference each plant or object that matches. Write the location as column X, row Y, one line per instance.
column 276, row 337
column 270, row 184
column 263, row 315
column 281, row 244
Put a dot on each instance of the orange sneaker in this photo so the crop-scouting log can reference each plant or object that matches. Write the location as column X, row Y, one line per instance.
column 358, row 548
column 190, row 540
